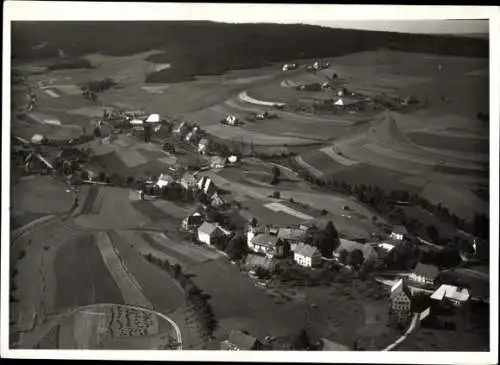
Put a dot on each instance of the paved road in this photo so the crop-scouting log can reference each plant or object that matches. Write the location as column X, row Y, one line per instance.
column 410, row 329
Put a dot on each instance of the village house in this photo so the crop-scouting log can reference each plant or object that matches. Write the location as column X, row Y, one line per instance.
column 217, row 162
column 452, row 294
column 203, row 146
column 307, row 256
column 240, row 341
column 398, row 233
column 216, row 201
column 401, row 302
column 164, row 180
column 267, row 244
column 192, row 222
column 424, row 274
column 209, row 233
column 206, row 185
column 188, row 181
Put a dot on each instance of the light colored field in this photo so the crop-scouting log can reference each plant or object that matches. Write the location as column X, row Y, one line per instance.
column 89, row 326
column 184, row 248
column 480, row 72
column 168, row 160
column 244, row 97
column 157, row 89
column 51, row 93
column 70, row 89
column 130, row 289
column 240, row 134
column 278, row 207
column 132, row 158
column 88, row 111
column 329, row 151
column 246, row 80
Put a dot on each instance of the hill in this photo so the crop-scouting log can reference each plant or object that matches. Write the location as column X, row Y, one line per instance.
column 208, row 48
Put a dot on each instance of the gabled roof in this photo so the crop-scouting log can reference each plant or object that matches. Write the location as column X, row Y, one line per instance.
column 194, row 219
column 242, row 340
column 295, row 234
column 306, row 250
column 451, row 292
column 399, row 230
column 427, row 271
column 400, row 287
column 207, row 228
column 265, row 239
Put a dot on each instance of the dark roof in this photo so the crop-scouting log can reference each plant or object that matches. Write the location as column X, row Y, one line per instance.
column 194, row 219
column 265, row 239
column 427, row 271
column 242, row 340
column 399, row 230
column 306, row 250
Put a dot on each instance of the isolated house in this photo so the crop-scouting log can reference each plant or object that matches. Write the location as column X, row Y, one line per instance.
column 153, row 118
column 188, row 181
column 267, row 244
column 238, row 340
column 452, row 294
column 209, row 233
column 38, row 139
column 307, row 255
column 425, row 274
column 192, row 222
column 399, row 233
column 400, row 307
column 339, row 102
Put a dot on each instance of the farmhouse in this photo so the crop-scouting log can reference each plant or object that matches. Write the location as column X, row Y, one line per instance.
column 188, row 181
column 192, row 222
column 425, row 274
column 306, row 255
column 209, row 233
column 399, row 233
column 270, row 245
column 400, row 307
column 238, row 340
column 452, row 294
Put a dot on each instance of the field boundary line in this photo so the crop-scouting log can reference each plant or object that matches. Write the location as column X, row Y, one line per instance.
column 39, row 222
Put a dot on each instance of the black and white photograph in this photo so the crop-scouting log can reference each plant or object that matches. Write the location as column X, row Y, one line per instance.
column 190, row 180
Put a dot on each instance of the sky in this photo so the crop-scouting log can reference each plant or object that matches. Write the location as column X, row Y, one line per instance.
column 412, row 26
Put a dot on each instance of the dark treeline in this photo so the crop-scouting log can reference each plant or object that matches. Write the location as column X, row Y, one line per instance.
column 198, row 48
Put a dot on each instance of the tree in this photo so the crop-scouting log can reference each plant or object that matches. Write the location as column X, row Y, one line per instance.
column 301, row 341
column 343, row 256
column 176, row 270
column 147, row 133
column 433, row 233
column 275, row 171
column 355, row 258
column 97, row 132
column 330, row 240
column 253, row 222
column 236, row 248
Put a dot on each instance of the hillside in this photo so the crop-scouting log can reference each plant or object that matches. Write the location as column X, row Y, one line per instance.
column 207, row 48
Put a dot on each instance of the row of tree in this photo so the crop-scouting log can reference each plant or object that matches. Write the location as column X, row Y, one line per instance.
column 194, row 296
column 384, row 203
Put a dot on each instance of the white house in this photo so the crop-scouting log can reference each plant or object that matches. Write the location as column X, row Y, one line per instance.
column 231, row 120
column 306, row 255
column 339, row 102
column 209, row 232
column 399, row 233
column 37, row 139
column 153, row 118
column 164, row 180
column 217, row 162
column 451, row 293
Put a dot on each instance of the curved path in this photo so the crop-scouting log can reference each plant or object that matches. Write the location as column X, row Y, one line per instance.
column 244, row 97
column 410, row 329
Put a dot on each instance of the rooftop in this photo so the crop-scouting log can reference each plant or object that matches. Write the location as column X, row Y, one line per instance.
column 207, row 228
column 306, row 250
column 427, row 271
column 452, row 292
column 242, row 340
column 265, row 239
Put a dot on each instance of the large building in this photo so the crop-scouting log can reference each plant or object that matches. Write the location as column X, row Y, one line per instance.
column 401, row 302
column 307, row 256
